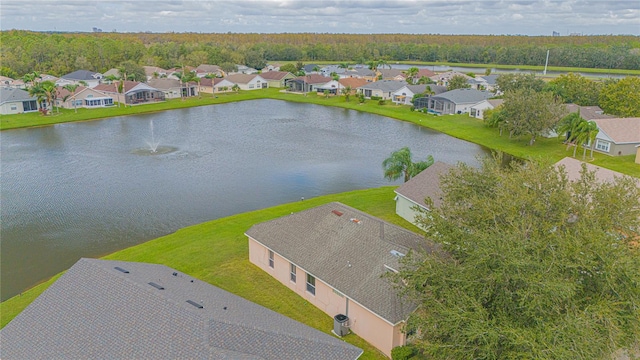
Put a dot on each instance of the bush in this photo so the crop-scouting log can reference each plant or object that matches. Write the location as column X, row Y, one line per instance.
column 376, row 97
column 413, row 108
column 405, row 352
column 381, row 102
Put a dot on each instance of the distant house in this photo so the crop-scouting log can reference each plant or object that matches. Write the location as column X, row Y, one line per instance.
column 243, row 69
column 392, row 74
column 277, row 79
column 424, row 185
column 248, row 81
column 423, row 73
column 134, row 93
column 307, row 83
column 107, row 309
column 205, row 69
column 173, row 88
column 404, row 95
column 352, row 82
column 573, row 167
column 477, row 110
column 112, row 72
column 333, row 69
column 154, row 72
column 381, row 88
column 488, row 82
column 588, row 112
column 6, row 81
column 444, row 78
column 310, row 68
column 333, row 87
column 617, row 136
column 457, row 101
column 16, row 101
column 362, row 73
column 335, row 256
column 83, row 97
column 90, row 78
column 215, row 85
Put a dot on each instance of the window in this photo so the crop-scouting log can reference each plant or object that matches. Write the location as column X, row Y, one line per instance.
column 14, row 107
column 602, row 145
column 270, row 259
column 311, row 284
column 293, row 273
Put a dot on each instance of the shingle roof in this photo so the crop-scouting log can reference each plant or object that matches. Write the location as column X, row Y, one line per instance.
column 95, row 311
column 314, row 79
column 464, row 96
column 621, row 130
column 573, row 167
column 348, row 251
column 208, row 68
column 384, row 85
column 391, row 73
column 164, row 83
column 81, row 75
column 588, row 112
column 14, row 95
column 274, row 75
column 425, row 184
column 241, row 78
column 353, row 82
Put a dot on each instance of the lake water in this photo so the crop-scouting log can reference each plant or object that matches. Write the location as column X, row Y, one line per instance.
column 88, row 189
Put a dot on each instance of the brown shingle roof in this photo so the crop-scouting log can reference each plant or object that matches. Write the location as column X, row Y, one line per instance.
column 314, row 79
column 274, row 75
column 574, row 166
column 621, row 130
column 425, row 184
column 588, row 112
column 353, row 82
column 113, row 87
column 240, row 78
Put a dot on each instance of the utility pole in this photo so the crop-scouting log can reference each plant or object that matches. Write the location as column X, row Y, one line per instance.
column 546, row 63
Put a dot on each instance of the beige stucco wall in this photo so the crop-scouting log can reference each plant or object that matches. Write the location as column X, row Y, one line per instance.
column 376, row 331
column 404, row 208
column 6, row 108
column 638, row 154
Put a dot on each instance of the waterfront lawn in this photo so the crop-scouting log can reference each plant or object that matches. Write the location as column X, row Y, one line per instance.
column 217, row 252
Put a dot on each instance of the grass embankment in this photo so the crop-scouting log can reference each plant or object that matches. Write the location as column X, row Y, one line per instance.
column 460, row 126
column 217, row 252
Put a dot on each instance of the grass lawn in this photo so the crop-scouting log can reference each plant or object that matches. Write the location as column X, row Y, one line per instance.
column 217, row 252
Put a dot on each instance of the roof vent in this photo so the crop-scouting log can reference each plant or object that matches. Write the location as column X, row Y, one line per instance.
column 354, row 220
column 396, row 253
column 339, row 213
column 195, row 304
column 159, row 287
column 121, row 269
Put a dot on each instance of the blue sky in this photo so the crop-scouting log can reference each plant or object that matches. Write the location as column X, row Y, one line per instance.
column 526, row 17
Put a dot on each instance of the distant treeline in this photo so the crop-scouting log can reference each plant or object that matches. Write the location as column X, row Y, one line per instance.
column 57, row 54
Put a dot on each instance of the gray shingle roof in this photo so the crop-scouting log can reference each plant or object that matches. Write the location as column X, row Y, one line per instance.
column 464, row 96
column 425, row 184
column 81, row 75
column 349, row 255
column 95, row 311
column 14, row 95
column 384, row 85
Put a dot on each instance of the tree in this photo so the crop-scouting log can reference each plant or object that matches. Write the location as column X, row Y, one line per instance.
column 576, row 89
column 529, row 112
column 129, row 70
column 621, row 97
column 72, row 89
column 411, row 73
column 400, row 164
column 289, row 68
column 458, row 82
column 511, row 82
column 185, row 78
column 495, row 118
column 228, row 67
column 570, row 128
column 529, row 265
column 235, row 87
column 346, row 91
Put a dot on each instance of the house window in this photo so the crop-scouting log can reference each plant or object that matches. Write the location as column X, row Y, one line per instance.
column 14, row 108
column 251, row 86
column 602, row 145
column 77, row 103
column 311, row 284
column 293, row 273
column 270, row 259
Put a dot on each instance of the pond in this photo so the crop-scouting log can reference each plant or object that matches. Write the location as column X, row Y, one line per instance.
column 87, row 189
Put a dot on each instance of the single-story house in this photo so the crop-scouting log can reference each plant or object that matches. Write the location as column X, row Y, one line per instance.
column 362, row 73
column 477, row 110
column 133, row 92
column 307, row 83
column 573, row 167
column 392, row 74
column 215, row 85
column 488, row 82
column 423, row 72
column 588, row 112
column 335, row 256
column 90, row 78
column 16, row 101
column 444, row 78
column 243, row 69
column 107, row 309
column 352, row 82
column 423, row 102
column 154, row 72
column 404, row 95
column 173, row 88
column 6, row 81
column 617, row 136
column 248, row 81
column 277, row 79
column 424, row 185
column 310, row 68
column 333, row 87
column 83, row 97
column 381, row 88
column 205, row 69
column 271, row 67
column 333, row 69
column 456, row 101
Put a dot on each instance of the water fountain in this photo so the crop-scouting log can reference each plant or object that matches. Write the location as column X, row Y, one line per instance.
column 154, row 147
column 153, row 144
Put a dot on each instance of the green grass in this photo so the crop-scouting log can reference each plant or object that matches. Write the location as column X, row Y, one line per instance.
column 217, row 252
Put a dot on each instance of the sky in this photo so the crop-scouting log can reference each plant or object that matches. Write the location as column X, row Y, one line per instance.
column 483, row 17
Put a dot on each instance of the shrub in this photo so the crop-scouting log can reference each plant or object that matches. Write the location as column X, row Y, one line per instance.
column 403, row 352
column 376, row 97
column 381, row 102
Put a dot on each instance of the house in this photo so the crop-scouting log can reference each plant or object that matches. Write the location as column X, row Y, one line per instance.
column 573, row 167
column 243, row 69
column 456, row 101
column 362, row 73
column 424, row 185
column 277, row 79
column 392, row 74
column 16, row 101
column 204, row 69
column 133, row 92
column 112, row 72
column 444, row 78
column 215, row 85
column 423, row 73
column 333, row 87
column 477, row 110
column 335, row 256
column 617, row 136
column 83, row 97
column 352, row 82
column 333, row 69
column 248, row 81
column 310, row 68
column 307, row 83
column 155, row 72
column 107, row 309
column 381, row 88
column 6, row 81
column 423, row 102
column 173, row 88
column 488, row 82
column 404, row 95
column 271, row 67
column 588, row 112
column 80, row 77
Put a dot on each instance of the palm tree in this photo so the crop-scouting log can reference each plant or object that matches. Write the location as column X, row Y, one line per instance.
column 570, row 127
column 72, row 89
column 590, row 130
column 346, row 91
column 343, row 66
column 383, row 63
column 411, row 74
column 50, row 92
column 37, row 91
column 400, row 164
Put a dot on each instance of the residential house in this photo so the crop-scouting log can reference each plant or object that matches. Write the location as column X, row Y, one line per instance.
column 16, row 101
column 83, row 97
column 271, row 67
column 381, row 88
column 477, row 110
column 335, row 256
column 154, row 72
column 108, row 309
column 411, row 195
column 215, row 85
column 573, row 168
column 134, row 93
column 456, row 101
column 423, row 102
column 173, row 88
column 333, row 69
column 404, row 95
column 423, row 73
column 444, row 78
column 488, row 82
column 307, row 83
column 6, row 81
column 392, row 74
column 243, row 69
column 310, row 69
column 352, row 82
column 362, row 73
column 333, row 87
column 80, row 77
column 248, row 81
column 277, row 79
column 205, row 69
column 588, row 112
column 617, row 136
column 112, row 72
